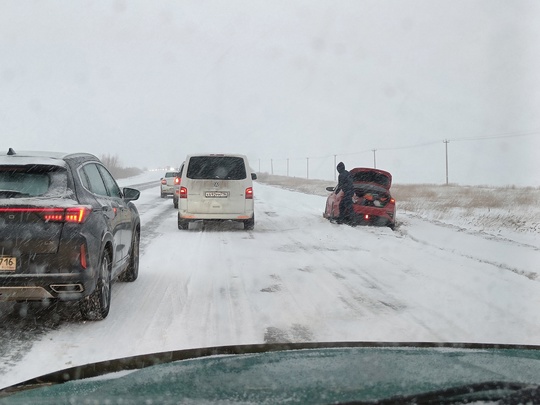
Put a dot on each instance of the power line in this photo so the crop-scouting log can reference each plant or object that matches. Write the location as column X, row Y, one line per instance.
column 419, row 145
column 511, row 135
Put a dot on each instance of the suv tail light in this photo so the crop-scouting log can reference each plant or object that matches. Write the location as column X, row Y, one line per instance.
column 177, row 180
column 73, row 214
column 249, row 193
column 183, row 192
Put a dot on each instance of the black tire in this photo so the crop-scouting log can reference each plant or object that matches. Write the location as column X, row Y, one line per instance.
column 132, row 271
column 249, row 224
column 175, row 202
column 163, row 195
column 96, row 306
column 182, row 223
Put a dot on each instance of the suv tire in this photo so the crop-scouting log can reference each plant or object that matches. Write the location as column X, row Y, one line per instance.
column 132, row 271
column 96, row 306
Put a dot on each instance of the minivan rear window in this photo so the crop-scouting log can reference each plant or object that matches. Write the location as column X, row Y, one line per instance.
column 32, row 181
column 216, row 167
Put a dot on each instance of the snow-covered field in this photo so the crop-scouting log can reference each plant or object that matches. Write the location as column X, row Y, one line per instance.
column 443, row 275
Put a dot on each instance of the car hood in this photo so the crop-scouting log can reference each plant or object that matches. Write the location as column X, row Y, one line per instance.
column 363, row 175
column 297, row 373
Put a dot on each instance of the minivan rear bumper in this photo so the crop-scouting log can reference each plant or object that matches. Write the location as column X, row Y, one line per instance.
column 231, row 217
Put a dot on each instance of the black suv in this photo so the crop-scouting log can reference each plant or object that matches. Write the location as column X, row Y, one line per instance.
column 66, row 230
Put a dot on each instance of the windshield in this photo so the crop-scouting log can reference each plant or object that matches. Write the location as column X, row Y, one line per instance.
column 225, row 166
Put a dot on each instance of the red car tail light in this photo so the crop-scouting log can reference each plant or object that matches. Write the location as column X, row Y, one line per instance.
column 183, row 192
column 366, row 217
column 249, row 193
column 392, row 200
column 177, row 180
column 163, row 181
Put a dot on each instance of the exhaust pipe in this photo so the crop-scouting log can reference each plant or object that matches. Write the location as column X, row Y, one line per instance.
column 67, row 288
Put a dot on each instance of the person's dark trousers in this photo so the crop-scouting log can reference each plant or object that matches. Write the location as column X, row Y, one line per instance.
column 345, row 210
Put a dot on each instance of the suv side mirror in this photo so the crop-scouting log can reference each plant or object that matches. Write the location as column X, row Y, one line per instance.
column 253, row 176
column 130, row 194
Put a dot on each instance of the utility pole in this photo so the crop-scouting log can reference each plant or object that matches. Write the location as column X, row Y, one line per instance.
column 446, row 141
column 335, row 164
column 374, row 158
column 287, row 167
column 272, row 166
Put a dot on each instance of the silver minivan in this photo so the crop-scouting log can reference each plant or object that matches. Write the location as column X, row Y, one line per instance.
column 216, row 188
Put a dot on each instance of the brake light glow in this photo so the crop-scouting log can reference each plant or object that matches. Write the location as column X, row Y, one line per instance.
column 84, row 264
column 163, row 181
column 73, row 214
column 249, row 193
column 177, row 180
column 77, row 214
column 366, row 216
column 183, row 192
column 392, row 200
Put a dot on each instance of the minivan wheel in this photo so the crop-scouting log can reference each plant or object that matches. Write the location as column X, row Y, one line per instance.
column 96, row 306
column 132, row 271
column 249, row 224
column 182, row 223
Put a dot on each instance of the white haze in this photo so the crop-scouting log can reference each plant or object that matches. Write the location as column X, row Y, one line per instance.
column 153, row 81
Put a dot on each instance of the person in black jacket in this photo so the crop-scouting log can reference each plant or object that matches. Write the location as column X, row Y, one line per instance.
column 345, row 183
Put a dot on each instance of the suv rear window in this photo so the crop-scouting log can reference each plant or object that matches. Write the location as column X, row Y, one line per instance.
column 216, row 167
column 31, row 181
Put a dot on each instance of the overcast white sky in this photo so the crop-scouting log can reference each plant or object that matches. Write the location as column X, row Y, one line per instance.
column 151, row 81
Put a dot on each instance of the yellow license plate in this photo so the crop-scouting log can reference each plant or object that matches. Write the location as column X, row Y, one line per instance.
column 8, row 263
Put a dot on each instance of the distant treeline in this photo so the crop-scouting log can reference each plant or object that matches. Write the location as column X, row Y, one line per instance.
column 113, row 164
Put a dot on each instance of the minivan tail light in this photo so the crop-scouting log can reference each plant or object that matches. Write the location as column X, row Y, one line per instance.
column 183, row 192
column 177, row 180
column 249, row 193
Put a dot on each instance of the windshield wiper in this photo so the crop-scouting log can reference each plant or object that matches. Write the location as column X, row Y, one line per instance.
column 11, row 194
column 505, row 393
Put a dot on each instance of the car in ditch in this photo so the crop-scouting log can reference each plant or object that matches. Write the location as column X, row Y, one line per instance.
column 373, row 203
column 67, row 230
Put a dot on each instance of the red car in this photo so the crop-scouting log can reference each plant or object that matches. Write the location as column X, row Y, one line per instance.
column 372, row 202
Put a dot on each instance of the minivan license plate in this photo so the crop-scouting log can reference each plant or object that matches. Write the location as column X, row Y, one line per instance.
column 8, row 263
column 216, row 194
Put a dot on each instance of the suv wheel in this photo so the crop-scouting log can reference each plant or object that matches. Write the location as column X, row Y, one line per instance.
column 132, row 271
column 175, row 201
column 96, row 306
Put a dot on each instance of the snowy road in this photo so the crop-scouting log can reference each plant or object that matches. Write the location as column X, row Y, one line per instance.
column 295, row 278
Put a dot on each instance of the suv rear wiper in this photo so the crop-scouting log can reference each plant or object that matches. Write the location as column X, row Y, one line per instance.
column 12, row 193
column 505, row 393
